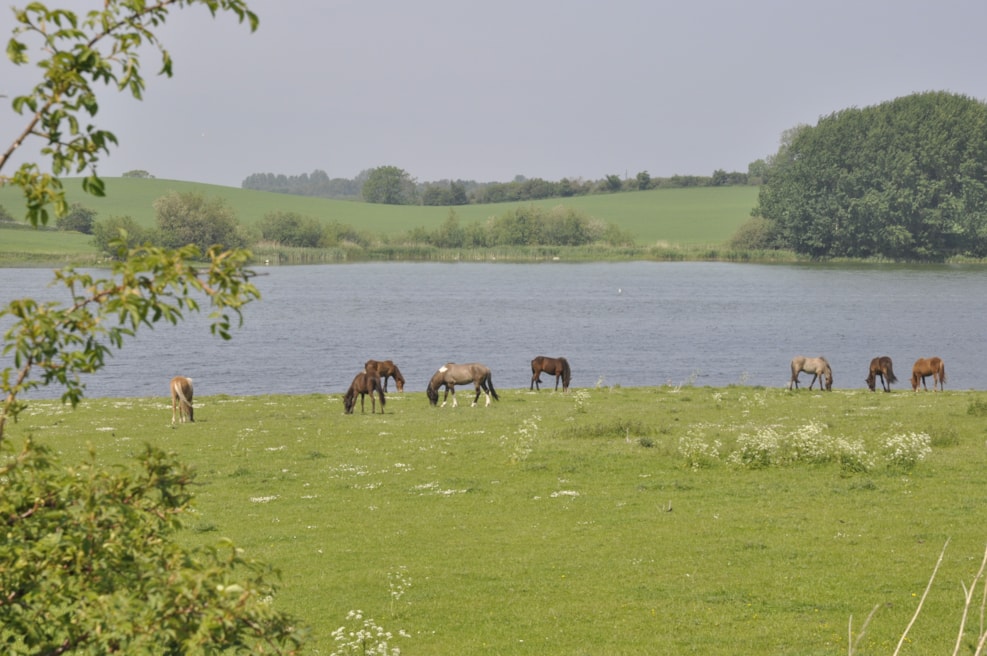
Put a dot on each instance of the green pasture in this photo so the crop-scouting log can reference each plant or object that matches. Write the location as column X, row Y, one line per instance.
column 701, row 215
column 673, row 520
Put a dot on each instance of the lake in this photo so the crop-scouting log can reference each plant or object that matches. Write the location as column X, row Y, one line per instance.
column 626, row 324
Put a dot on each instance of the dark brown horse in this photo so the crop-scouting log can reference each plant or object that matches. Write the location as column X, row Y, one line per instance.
column 818, row 367
column 181, row 400
column 451, row 374
column 925, row 367
column 386, row 369
column 881, row 367
column 558, row 367
column 364, row 383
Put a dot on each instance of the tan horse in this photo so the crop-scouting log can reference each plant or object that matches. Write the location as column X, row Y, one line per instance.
column 925, row 367
column 181, row 399
column 818, row 367
column 881, row 367
column 450, row 374
column 386, row 369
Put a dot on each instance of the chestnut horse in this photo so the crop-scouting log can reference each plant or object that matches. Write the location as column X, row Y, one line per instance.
column 386, row 369
column 925, row 367
column 818, row 367
column 181, row 399
column 558, row 367
column 881, row 367
column 366, row 382
column 451, row 374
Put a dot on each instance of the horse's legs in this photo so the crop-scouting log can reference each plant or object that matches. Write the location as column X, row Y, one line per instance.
column 815, row 377
column 557, row 376
column 794, row 380
column 535, row 380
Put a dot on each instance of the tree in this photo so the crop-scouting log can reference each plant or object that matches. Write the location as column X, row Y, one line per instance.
column 612, row 183
column 643, row 180
column 904, row 180
column 79, row 219
column 389, row 185
column 90, row 560
column 108, row 235
column 138, row 173
column 189, row 218
column 291, row 229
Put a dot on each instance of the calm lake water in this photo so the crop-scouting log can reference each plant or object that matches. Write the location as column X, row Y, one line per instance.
column 628, row 324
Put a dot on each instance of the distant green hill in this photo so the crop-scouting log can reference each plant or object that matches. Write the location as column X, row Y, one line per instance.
column 697, row 215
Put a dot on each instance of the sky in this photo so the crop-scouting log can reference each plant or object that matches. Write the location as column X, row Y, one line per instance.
column 453, row 89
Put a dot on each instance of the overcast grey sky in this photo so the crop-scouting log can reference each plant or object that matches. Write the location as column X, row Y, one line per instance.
column 486, row 91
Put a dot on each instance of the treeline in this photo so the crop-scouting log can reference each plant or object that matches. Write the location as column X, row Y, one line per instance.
column 392, row 185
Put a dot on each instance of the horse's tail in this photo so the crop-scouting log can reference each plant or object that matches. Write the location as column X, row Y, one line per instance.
column 488, row 379
column 942, row 371
column 566, row 372
column 890, row 373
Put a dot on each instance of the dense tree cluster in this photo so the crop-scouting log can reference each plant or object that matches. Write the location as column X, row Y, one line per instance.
column 523, row 226
column 903, row 180
column 78, row 219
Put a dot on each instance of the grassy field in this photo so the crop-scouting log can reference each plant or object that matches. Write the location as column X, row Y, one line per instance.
column 684, row 216
column 672, row 520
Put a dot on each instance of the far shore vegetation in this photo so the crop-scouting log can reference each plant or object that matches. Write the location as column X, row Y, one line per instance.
column 684, row 224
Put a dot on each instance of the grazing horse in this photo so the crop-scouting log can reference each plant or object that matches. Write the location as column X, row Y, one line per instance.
column 881, row 367
column 366, row 382
column 386, row 369
column 181, row 399
column 558, row 367
column 929, row 367
column 451, row 374
column 818, row 367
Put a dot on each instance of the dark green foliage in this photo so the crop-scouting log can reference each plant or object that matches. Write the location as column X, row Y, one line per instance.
column 756, row 234
column 190, row 218
column 79, row 219
column 389, row 185
column 904, row 180
column 291, row 229
column 105, row 233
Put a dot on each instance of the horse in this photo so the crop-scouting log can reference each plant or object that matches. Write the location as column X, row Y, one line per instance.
column 365, row 382
column 451, row 374
column 181, row 399
column 924, row 367
column 818, row 367
column 558, row 367
column 881, row 367
column 386, row 369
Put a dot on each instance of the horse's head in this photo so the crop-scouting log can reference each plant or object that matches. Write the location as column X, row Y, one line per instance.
column 432, row 392
column 871, row 380
column 829, row 379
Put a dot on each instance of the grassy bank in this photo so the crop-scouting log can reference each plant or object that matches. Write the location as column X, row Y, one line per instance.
column 606, row 521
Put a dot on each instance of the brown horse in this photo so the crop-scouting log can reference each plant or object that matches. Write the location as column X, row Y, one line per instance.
column 386, row 369
column 181, row 399
column 366, row 382
column 925, row 367
column 818, row 367
column 881, row 367
column 451, row 374
column 558, row 367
